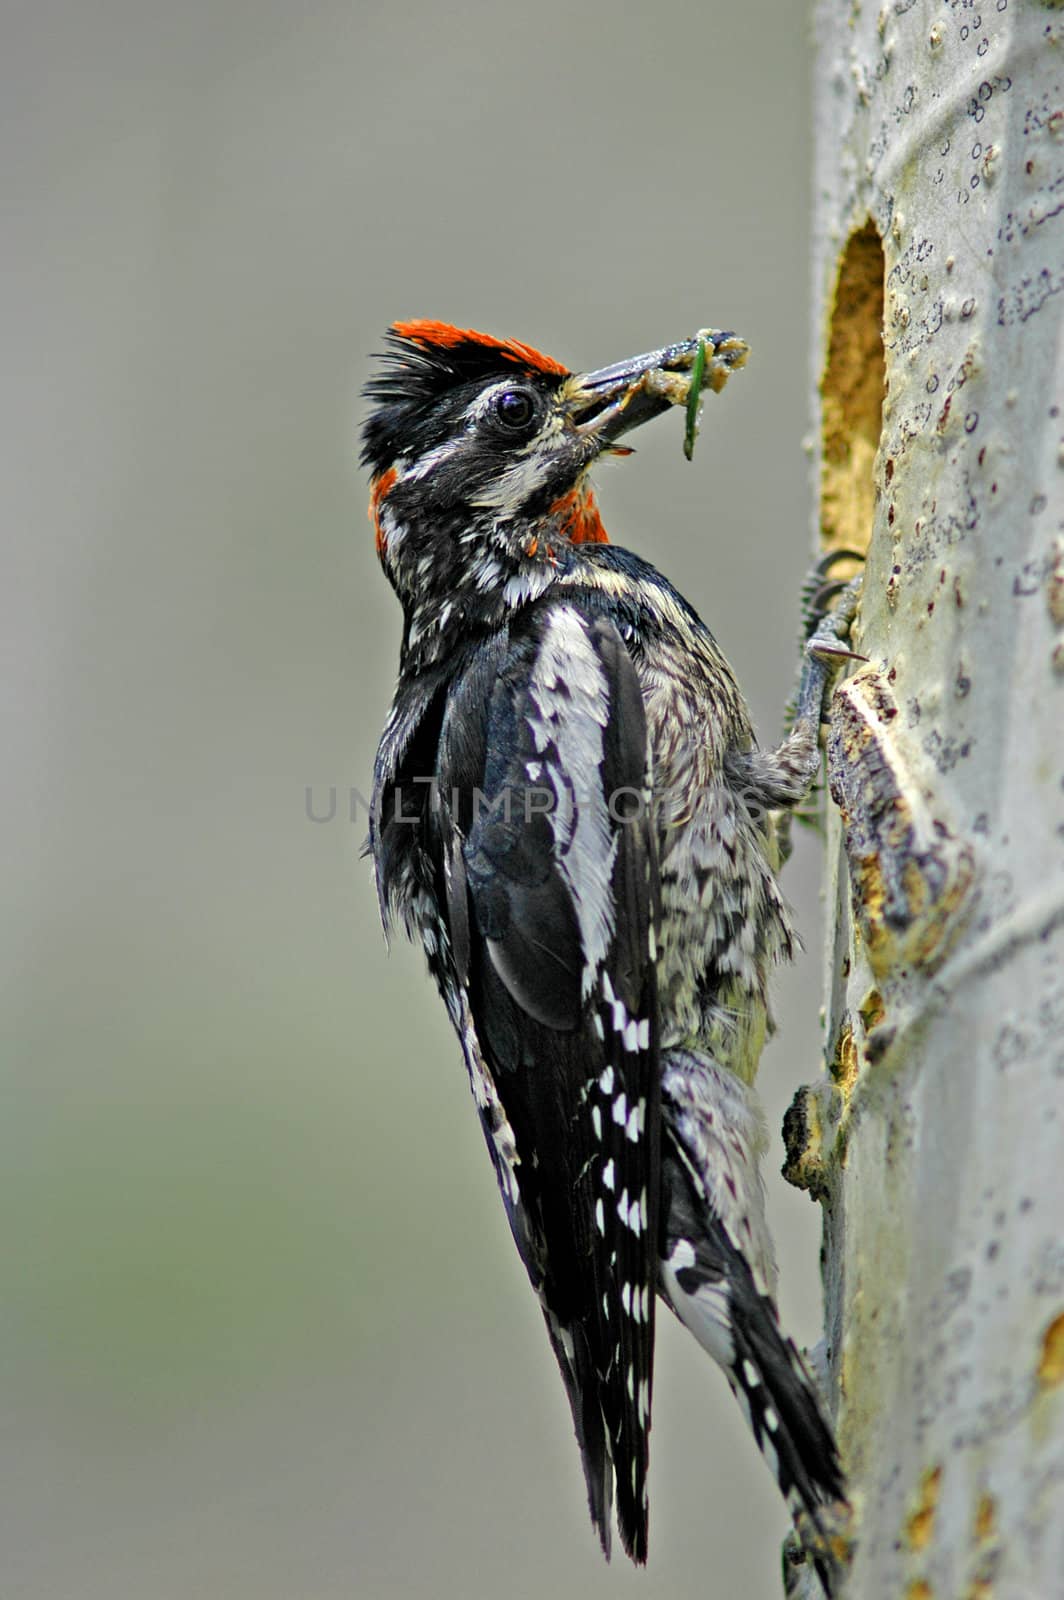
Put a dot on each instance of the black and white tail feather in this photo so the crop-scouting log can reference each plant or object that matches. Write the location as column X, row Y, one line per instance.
column 718, row 1274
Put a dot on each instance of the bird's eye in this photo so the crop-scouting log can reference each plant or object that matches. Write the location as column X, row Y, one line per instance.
column 514, row 409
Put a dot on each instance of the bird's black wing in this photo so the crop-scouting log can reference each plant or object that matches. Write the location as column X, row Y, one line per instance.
column 547, row 875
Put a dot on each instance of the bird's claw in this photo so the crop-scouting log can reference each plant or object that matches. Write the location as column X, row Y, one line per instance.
column 820, row 588
column 831, row 627
column 826, row 1544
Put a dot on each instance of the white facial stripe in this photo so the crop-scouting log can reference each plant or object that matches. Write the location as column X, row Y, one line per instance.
column 517, row 484
column 431, row 460
column 531, row 463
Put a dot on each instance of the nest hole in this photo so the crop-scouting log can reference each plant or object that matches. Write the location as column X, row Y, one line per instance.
column 851, row 392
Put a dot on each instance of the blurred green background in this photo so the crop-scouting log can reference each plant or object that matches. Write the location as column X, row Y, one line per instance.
column 263, row 1329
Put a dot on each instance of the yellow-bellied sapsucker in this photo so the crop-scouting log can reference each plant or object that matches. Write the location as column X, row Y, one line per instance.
column 572, row 815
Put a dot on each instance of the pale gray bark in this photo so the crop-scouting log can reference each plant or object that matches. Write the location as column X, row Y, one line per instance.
column 937, row 1138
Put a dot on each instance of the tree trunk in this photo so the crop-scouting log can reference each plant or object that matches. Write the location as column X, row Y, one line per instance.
column 936, row 1142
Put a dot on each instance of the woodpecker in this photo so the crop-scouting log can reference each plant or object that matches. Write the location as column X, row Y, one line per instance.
column 573, row 817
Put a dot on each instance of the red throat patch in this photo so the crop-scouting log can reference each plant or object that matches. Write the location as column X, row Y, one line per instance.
column 580, row 521
column 441, row 336
column 380, row 492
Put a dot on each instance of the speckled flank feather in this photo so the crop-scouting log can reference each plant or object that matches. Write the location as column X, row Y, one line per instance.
column 572, row 816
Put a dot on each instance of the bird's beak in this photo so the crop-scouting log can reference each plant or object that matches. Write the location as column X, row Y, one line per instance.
column 605, row 404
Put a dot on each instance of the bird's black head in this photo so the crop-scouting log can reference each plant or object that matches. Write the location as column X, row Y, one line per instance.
column 443, row 386
column 479, row 450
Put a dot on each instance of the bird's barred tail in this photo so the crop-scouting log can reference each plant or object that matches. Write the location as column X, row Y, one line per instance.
column 709, row 1284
